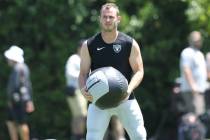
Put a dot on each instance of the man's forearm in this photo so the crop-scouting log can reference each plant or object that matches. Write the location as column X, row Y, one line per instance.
column 135, row 81
column 189, row 77
column 82, row 80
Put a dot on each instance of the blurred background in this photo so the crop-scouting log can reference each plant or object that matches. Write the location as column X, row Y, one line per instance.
column 49, row 31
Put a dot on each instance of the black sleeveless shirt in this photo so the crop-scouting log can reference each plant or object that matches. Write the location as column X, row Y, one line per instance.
column 115, row 54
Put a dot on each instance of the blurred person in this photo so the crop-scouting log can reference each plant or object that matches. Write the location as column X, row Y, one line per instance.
column 76, row 101
column 193, row 85
column 206, row 116
column 193, row 75
column 191, row 128
column 208, row 65
column 19, row 92
column 207, row 94
column 113, row 48
column 176, row 99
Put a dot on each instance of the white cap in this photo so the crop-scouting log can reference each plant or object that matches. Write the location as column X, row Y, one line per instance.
column 14, row 53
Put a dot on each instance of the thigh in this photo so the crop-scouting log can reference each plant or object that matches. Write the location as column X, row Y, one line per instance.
column 131, row 117
column 207, row 99
column 97, row 122
column 10, row 114
column 77, row 104
column 19, row 113
column 199, row 103
column 82, row 103
column 187, row 98
column 73, row 105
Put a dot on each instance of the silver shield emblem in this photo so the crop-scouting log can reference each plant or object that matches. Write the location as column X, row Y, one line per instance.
column 117, row 48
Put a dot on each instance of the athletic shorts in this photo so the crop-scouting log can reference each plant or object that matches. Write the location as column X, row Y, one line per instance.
column 17, row 113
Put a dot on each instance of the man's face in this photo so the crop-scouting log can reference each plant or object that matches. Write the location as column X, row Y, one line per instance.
column 109, row 19
column 197, row 40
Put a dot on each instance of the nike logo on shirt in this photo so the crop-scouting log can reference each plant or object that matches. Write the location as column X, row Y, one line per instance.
column 98, row 49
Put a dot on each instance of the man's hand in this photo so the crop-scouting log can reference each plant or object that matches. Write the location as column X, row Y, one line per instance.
column 128, row 94
column 195, row 88
column 29, row 107
column 86, row 94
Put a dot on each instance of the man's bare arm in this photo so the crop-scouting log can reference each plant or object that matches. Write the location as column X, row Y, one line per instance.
column 137, row 67
column 84, row 70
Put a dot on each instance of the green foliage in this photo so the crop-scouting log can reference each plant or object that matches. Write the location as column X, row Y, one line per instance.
column 49, row 31
column 198, row 14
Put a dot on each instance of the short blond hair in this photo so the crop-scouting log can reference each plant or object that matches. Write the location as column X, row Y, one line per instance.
column 110, row 5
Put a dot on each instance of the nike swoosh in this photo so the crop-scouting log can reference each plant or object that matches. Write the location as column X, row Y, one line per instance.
column 98, row 49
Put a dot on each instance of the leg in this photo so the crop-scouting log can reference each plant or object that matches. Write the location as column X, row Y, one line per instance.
column 22, row 121
column 78, row 108
column 131, row 117
column 97, row 123
column 187, row 98
column 24, row 131
column 77, row 104
column 199, row 103
column 12, row 130
column 78, row 127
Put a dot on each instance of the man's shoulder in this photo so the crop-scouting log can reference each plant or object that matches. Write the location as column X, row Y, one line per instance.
column 94, row 39
column 125, row 37
column 188, row 50
column 21, row 68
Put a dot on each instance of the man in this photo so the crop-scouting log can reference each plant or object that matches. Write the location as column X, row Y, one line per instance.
column 76, row 101
column 19, row 93
column 113, row 48
column 193, row 75
column 207, row 95
column 208, row 65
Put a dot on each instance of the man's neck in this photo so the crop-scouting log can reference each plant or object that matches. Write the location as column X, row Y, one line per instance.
column 109, row 37
column 194, row 47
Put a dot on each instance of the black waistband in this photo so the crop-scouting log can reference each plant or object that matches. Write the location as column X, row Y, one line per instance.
column 131, row 97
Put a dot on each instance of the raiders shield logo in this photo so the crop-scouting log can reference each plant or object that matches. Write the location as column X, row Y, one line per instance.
column 117, row 48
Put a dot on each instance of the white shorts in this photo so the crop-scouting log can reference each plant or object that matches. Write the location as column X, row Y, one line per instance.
column 128, row 113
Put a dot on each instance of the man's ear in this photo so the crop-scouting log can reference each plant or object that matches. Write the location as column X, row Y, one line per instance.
column 118, row 19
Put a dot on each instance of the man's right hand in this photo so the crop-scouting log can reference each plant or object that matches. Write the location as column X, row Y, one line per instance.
column 86, row 94
column 195, row 88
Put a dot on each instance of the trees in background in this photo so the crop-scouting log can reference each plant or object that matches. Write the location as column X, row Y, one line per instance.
column 49, row 32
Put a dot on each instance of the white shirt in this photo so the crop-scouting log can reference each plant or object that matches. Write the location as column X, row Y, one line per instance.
column 208, row 61
column 72, row 70
column 194, row 59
